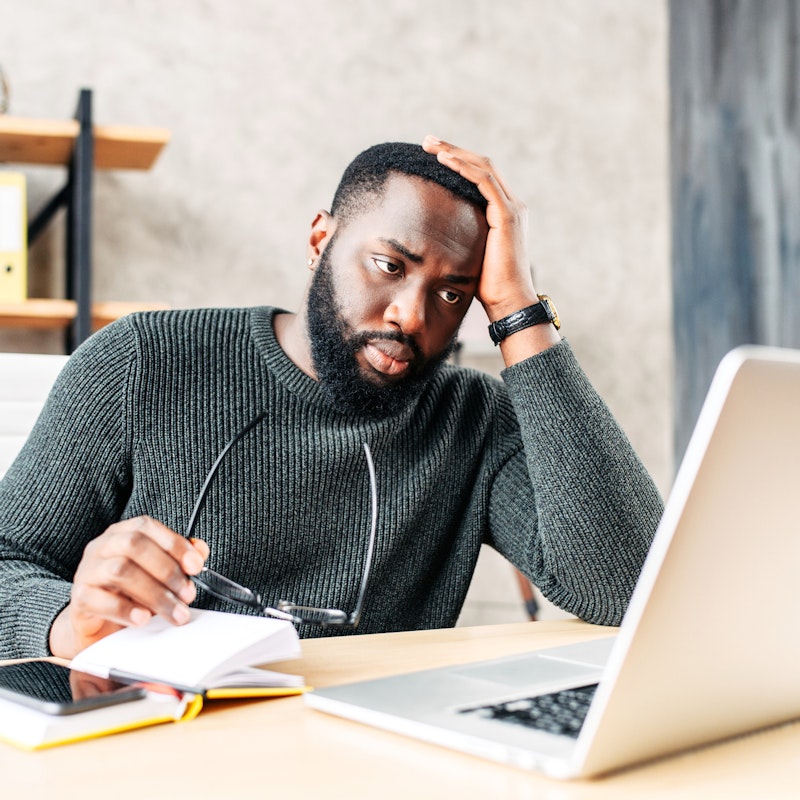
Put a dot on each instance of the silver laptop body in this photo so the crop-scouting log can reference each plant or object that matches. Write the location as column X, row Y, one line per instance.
column 709, row 646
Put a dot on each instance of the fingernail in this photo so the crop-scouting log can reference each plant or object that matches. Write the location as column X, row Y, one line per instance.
column 201, row 547
column 181, row 615
column 192, row 562
column 187, row 592
column 435, row 139
column 139, row 617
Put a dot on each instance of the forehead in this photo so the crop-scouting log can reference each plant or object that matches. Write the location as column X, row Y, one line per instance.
column 422, row 215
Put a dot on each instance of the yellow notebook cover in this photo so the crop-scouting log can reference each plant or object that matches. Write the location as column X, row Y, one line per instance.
column 31, row 729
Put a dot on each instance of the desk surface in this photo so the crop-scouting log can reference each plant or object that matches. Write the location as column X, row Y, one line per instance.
column 282, row 749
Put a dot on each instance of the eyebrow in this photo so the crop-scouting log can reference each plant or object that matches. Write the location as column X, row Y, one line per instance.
column 463, row 280
column 403, row 250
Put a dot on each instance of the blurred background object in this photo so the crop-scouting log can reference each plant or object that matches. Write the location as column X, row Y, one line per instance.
column 5, row 93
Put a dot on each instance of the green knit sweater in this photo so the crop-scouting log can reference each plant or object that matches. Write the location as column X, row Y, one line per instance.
column 536, row 467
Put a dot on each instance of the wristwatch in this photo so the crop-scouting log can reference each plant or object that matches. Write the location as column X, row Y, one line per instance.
column 538, row 313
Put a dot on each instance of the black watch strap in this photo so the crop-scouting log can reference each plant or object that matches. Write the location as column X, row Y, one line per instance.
column 538, row 313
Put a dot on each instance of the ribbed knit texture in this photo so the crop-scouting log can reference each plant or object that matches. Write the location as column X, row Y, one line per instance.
column 143, row 408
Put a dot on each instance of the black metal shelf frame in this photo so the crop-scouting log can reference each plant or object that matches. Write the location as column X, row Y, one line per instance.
column 76, row 198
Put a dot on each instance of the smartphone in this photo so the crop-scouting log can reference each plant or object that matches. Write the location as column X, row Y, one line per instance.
column 56, row 689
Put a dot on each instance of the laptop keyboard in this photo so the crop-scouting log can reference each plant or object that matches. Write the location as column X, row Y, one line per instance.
column 561, row 713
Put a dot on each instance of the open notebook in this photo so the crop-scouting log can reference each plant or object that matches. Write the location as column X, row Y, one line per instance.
column 707, row 649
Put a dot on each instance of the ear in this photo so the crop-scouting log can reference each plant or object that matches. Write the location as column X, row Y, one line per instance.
column 322, row 229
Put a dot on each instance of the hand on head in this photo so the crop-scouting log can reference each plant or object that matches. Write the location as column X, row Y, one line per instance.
column 506, row 283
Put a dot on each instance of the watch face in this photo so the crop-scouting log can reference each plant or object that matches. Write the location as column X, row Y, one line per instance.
column 551, row 307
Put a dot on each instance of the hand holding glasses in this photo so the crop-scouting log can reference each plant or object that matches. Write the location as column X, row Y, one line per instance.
column 226, row 589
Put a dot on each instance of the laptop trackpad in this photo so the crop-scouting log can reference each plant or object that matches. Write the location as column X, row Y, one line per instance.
column 593, row 653
column 555, row 664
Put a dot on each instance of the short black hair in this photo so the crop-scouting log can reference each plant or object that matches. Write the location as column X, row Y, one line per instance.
column 366, row 176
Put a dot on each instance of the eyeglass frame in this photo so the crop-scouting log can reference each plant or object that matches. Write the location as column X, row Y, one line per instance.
column 290, row 612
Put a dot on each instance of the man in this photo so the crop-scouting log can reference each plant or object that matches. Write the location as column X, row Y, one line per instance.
column 93, row 512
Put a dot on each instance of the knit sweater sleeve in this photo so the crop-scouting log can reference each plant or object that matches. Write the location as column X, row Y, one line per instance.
column 65, row 487
column 593, row 509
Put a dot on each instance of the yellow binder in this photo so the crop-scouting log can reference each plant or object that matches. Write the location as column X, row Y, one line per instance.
column 13, row 238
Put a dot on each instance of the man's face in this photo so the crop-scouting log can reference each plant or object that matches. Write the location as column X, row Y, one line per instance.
column 389, row 293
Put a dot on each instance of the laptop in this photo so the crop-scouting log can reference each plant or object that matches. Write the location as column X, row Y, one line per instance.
column 708, row 648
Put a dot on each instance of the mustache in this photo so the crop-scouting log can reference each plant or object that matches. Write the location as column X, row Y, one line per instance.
column 359, row 340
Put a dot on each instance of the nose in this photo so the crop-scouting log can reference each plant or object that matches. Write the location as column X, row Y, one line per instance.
column 407, row 311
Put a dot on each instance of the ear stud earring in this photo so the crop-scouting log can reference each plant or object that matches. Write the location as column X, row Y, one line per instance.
column 310, row 262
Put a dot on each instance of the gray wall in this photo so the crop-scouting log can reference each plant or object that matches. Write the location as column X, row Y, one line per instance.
column 268, row 101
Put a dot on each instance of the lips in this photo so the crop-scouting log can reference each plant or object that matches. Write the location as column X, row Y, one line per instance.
column 388, row 357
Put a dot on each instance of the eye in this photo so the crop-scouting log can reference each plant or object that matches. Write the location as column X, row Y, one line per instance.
column 451, row 298
column 389, row 267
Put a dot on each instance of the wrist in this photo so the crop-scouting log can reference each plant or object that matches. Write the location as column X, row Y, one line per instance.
column 529, row 342
column 61, row 640
column 526, row 331
column 543, row 311
column 507, row 306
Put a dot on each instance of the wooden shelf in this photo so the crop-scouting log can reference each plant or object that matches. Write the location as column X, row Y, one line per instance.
column 45, row 314
column 82, row 147
column 43, row 141
column 38, row 314
column 103, row 313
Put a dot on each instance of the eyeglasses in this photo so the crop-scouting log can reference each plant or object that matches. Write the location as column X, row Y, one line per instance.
column 226, row 589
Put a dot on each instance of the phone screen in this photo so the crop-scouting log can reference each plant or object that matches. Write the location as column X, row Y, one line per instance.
column 56, row 689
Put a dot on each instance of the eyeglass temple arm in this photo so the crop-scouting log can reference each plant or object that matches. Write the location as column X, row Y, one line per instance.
column 201, row 498
column 373, row 488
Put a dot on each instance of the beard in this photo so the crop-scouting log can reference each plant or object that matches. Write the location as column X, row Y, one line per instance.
column 334, row 345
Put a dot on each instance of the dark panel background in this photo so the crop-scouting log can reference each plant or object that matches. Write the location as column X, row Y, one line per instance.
column 735, row 167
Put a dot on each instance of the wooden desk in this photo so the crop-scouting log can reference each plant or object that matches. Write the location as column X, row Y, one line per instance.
column 282, row 749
